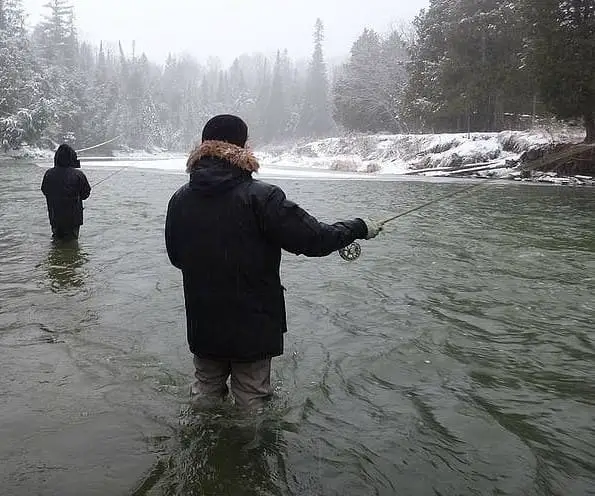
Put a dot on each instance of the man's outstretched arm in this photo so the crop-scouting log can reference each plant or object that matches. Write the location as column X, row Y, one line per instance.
column 296, row 231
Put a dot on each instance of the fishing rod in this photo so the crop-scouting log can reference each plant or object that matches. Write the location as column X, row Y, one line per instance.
column 354, row 250
column 435, row 200
column 107, row 177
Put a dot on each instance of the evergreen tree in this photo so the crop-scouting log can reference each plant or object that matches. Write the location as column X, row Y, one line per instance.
column 292, row 90
column 262, row 93
column 393, row 78
column 21, row 114
column 355, row 90
column 239, row 93
column 315, row 118
column 465, row 65
column 368, row 89
column 56, row 35
column 102, row 97
column 276, row 115
column 560, row 53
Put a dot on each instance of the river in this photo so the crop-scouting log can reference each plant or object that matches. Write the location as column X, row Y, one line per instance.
column 454, row 357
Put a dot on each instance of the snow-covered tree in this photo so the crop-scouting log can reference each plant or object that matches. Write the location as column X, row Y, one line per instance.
column 276, row 115
column 369, row 87
column 560, row 52
column 55, row 37
column 466, row 70
column 315, row 118
column 20, row 106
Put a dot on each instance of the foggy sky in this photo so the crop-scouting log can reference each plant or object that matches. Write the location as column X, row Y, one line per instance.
column 227, row 28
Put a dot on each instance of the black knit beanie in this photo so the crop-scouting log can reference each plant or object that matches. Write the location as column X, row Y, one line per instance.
column 228, row 128
column 65, row 156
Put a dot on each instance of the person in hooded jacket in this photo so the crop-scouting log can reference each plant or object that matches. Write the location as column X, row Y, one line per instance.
column 225, row 231
column 65, row 187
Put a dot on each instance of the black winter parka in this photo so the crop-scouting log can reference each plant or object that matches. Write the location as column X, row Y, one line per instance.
column 225, row 231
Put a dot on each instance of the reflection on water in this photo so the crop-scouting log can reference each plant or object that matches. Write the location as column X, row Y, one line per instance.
column 455, row 357
column 220, row 451
column 65, row 262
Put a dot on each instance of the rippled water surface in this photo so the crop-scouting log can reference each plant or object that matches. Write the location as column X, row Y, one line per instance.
column 455, row 357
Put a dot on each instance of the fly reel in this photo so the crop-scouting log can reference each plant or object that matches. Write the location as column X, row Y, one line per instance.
column 351, row 252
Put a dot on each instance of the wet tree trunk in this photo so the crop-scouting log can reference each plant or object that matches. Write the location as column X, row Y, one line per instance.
column 590, row 127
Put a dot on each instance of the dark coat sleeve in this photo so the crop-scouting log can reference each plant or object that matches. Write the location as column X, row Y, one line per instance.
column 85, row 190
column 44, row 183
column 296, row 231
column 170, row 233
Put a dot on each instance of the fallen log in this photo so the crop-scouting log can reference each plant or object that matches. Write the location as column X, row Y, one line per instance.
column 455, row 169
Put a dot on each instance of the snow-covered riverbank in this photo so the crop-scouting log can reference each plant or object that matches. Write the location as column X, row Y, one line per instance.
column 481, row 154
column 34, row 154
column 400, row 153
column 497, row 155
column 26, row 153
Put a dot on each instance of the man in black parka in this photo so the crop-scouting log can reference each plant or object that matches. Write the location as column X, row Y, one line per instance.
column 65, row 187
column 225, row 231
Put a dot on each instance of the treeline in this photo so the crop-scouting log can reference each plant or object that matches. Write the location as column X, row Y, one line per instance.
column 474, row 65
column 467, row 65
column 55, row 87
column 477, row 63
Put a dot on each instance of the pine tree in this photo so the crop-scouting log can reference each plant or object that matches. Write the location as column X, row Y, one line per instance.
column 20, row 111
column 465, row 65
column 315, row 117
column 64, row 84
column 392, row 68
column 369, row 87
column 222, row 90
column 239, row 93
column 11, row 17
column 13, row 49
column 560, row 52
column 276, row 115
column 101, row 99
column 56, row 35
column 262, row 92
column 355, row 89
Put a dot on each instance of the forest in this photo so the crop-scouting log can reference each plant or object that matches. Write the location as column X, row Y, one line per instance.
column 463, row 65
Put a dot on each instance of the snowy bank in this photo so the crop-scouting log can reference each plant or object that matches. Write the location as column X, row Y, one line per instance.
column 500, row 155
column 40, row 155
column 427, row 154
column 26, row 153
column 146, row 154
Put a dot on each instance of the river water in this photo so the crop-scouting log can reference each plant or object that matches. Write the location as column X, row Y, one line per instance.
column 455, row 357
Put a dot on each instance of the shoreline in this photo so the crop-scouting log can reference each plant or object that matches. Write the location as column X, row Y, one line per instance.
column 517, row 156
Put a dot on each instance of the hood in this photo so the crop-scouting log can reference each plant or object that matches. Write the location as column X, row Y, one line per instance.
column 216, row 166
column 65, row 156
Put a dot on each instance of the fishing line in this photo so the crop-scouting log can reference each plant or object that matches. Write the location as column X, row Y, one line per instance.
column 435, row 200
column 354, row 250
column 107, row 177
column 97, row 146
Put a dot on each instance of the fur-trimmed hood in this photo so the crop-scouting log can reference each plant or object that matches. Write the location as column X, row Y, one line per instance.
column 239, row 157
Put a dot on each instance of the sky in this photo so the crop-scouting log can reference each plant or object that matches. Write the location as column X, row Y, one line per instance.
column 228, row 28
